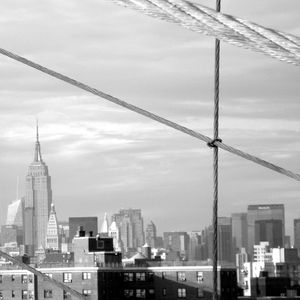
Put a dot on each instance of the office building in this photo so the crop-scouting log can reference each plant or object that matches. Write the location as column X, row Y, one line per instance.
column 239, row 230
column 269, row 230
column 131, row 228
column 15, row 213
column 38, row 199
column 105, row 225
column 225, row 247
column 90, row 224
column 194, row 245
column 177, row 243
column 297, row 233
column 151, row 235
column 264, row 212
column 52, row 237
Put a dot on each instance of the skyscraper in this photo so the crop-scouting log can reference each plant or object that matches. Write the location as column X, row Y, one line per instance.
column 239, row 230
column 151, row 235
column 52, row 238
column 38, row 199
column 297, row 233
column 264, row 212
column 269, row 230
column 131, row 226
column 225, row 239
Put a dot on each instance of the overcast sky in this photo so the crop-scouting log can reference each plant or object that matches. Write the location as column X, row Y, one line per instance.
column 101, row 157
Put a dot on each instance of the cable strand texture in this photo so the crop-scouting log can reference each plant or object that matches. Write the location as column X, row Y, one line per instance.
column 227, row 28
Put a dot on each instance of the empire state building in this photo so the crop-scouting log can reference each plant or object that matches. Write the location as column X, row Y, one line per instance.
column 38, row 199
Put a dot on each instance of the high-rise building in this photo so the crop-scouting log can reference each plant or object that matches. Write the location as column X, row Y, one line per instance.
column 104, row 226
column 177, row 242
column 239, row 230
column 297, row 233
column 264, row 212
column 131, row 227
column 195, row 245
column 38, row 199
column 113, row 232
column 15, row 213
column 225, row 239
column 269, row 230
column 151, row 235
column 52, row 237
column 89, row 224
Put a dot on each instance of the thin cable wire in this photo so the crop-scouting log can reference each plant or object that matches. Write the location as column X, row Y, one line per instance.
column 215, row 162
column 225, row 27
column 42, row 276
column 152, row 116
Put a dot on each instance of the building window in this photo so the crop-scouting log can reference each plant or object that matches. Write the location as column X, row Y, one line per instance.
column 164, row 292
column 67, row 277
column 24, row 278
column 50, row 275
column 13, row 277
column 150, row 276
column 140, row 276
column 181, row 276
column 24, row 294
column 86, row 292
column 128, row 276
column 67, row 295
column 1, row 295
column 13, row 294
column 47, row 294
column 0, row 278
column 30, row 278
column 200, row 293
column 151, row 293
column 200, row 277
column 140, row 293
column 86, row 275
column 163, row 275
column 181, row 293
column 129, row 293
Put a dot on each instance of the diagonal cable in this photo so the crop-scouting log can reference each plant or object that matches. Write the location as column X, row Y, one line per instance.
column 150, row 115
column 42, row 276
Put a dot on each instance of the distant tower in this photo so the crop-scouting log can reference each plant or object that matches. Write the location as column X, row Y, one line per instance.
column 104, row 227
column 38, row 199
column 113, row 232
column 297, row 233
column 131, row 225
column 52, row 238
column 151, row 235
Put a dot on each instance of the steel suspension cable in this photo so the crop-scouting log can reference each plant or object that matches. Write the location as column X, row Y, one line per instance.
column 230, row 29
column 215, row 163
column 152, row 116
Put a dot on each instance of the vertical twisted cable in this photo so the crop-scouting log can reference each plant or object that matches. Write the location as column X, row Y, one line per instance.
column 215, row 164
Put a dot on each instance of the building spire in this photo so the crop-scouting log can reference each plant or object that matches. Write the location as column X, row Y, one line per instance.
column 37, row 153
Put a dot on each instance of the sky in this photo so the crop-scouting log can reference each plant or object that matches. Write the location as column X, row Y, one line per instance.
column 102, row 158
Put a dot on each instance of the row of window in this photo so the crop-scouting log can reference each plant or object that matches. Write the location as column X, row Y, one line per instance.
column 24, row 278
column 141, row 293
column 48, row 294
column 138, row 276
column 67, row 277
column 24, row 294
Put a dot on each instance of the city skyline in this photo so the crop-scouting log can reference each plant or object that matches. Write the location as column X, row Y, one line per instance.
column 109, row 158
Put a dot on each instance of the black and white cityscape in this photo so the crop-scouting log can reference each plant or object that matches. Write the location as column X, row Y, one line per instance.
column 251, row 245
column 149, row 149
